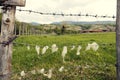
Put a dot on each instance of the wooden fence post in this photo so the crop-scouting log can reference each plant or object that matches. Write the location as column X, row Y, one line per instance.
column 23, row 29
column 6, row 38
column 20, row 30
column 26, row 32
column 7, row 30
column 118, row 40
column 15, row 30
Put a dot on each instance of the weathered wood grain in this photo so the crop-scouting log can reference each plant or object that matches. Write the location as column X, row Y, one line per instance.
column 7, row 30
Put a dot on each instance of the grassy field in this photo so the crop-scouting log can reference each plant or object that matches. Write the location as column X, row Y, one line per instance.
column 89, row 65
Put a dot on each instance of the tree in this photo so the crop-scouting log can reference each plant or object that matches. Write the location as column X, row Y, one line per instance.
column 63, row 29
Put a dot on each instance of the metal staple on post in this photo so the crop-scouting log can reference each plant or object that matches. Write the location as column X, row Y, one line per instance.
column 4, row 43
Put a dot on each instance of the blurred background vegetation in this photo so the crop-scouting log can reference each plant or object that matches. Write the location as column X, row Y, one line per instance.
column 60, row 28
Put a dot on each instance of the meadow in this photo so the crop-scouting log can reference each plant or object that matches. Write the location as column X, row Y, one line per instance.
column 89, row 65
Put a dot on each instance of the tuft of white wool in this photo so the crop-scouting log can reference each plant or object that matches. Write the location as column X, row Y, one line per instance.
column 73, row 47
column 78, row 50
column 47, row 47
column 37, row 49
column 54, row 45
column 88, row 47
column 61, row 69
column 94, row 46
column 54, row 48
column 42, row 71
column 33, row 72
column 49, row 74
column 28, row 47
column 64, row 52
column 22, row 73
column 44, row 50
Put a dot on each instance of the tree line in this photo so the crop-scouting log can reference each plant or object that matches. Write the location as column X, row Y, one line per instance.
column 22, row 28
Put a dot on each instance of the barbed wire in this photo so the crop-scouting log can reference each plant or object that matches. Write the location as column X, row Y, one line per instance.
column 62, row 14
column 70, row 46
column 78, row 69
column 33, row 45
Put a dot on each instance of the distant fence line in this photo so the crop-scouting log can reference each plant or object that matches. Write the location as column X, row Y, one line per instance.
column 26, row 29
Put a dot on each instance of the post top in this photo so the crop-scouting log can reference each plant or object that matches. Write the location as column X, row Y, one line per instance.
column 13, row 2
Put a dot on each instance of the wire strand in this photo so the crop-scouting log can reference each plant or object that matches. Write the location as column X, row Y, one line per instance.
column 61, row 14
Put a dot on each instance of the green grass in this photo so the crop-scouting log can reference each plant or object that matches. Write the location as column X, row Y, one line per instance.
column 90, row 65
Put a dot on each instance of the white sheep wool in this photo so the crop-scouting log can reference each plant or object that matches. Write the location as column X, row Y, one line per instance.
column 88, row 47
column 73, row 47
column 78, row 50
column 94, row 46
column 44, row 50
column 64, row 52
column 54, row 48
column 42, row 71
column 61, row 69
column 47, row 47
column 28, row 47
column 22, row 73
column 49, row 74
column 37, row 49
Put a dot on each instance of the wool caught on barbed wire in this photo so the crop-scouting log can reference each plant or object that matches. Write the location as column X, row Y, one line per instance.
column 47, row 47
column 64, row 52
column 88, row 47
column 94, row 46
column 44, row 49
column 37, row 49
column 28, row 47
column 78, row 50
column 54, row 48
column 73, row 47
column 61, row 69
column 22, row 73
column 49, row 74
column 41, row 71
